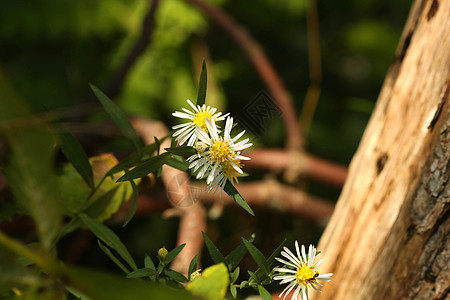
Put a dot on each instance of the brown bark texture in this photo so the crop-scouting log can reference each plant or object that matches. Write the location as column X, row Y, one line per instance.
column 389, row 235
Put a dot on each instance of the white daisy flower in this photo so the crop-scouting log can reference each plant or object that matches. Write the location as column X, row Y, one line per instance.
column 219, row 158
column 196, row 117
column 300, row 271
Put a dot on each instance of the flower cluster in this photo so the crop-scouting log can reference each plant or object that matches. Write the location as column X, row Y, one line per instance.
column 218, row 156
column 300, row 271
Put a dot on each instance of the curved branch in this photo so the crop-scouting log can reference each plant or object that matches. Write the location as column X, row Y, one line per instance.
column 297, row 164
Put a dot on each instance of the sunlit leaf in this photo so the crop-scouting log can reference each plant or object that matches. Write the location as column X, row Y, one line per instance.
column 212, row 284
column 108, row 237
column 118, row 116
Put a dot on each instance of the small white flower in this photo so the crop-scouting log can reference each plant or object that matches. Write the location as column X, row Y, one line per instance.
column 221, row 160
column 300, row 271
column 196, row 117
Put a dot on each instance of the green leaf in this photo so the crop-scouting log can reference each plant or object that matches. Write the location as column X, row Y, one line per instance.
column 174, row 275
column 213, row 283
column 234, row 275
column 182, row 150
column 202, row 86
column 147, row 167
column 113, row 257
column 119, row 118
column 178, row 163
column 233, row 291
column 144, row 272
column 235, row 256
column 234, row 194
column 264, row 293
column 134, row 159
column 253, row 276
column 271, row 258
column 214, row 252
column 257, row 256
column 104, row 286
column 75, row 154
column 173, row 253
column 30, row 167
column 148, row 263
column 193, row 265
column 108, row 237
column 134, row 204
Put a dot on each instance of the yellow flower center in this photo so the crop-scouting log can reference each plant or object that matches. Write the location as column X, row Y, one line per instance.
column 200, row 119
column 228, row 169
column 305, row 274
column 220, row 151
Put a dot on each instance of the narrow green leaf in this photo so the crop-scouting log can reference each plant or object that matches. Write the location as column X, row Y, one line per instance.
column 193, row 265
column 108, row 237
column 234, row 275
column 253, row 276
column 134, row 204
column 139, row 273
column 235, row 256
column 113, row 257
column 133, row 159
column 257, row 256
column 75, row 154
column 233, row 291
column 271, row 258
column 119, row 118
column 264, row 293
column 182, row 150
column 234, row 194
column 147, row 167
column 174, row 275
column 215, row 253
column 148, row 262
column 178, row 163
column 202, row 86
column 173, row 253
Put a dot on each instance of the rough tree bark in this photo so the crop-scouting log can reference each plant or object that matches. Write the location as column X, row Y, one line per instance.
column 389, row 235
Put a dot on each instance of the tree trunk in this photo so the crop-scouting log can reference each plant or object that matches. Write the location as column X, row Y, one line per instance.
column 389, row 235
